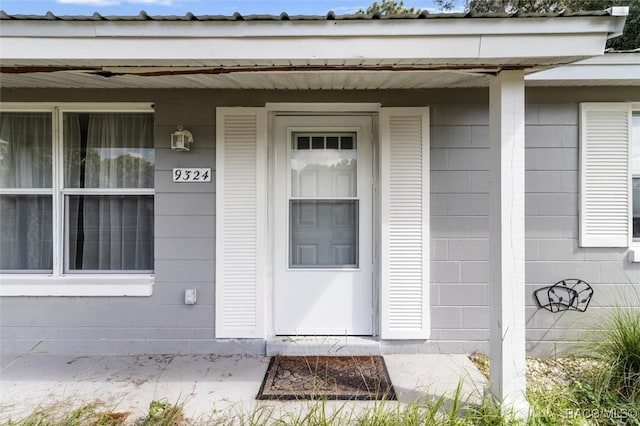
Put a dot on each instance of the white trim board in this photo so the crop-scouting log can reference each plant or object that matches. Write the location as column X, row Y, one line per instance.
column 76, row 286
column 326, row 107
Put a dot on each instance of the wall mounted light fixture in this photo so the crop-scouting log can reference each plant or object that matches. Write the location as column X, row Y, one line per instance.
column 181, row 139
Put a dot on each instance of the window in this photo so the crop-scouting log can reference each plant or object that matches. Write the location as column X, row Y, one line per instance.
column 635, row 171
column 76, row 190
column 610, row 175
column 26, row 179
column 323, row 205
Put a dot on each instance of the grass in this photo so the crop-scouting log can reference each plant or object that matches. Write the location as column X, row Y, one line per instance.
column 94, row 414
column 619, row 348
column 608, row 394
column 581, row 402
column 160, row 413
column 447, row 410
column 569, row 392
column 554, row 404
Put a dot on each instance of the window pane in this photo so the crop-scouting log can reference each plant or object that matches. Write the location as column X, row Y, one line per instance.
column 110, row 233
column 635, row 145
column 25, row 150
column 317, row 142
column 635, row 170
column 303, row 142
column 347, row 142
column 636, row 208
column 333, row 142
column 321, row 172
column 26, row 233
column 323, row 233
column 108, row 150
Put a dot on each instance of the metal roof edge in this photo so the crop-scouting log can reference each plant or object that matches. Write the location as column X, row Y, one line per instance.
column 284, row 16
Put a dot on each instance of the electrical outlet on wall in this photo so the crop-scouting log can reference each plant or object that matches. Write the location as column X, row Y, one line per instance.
column 190, row 296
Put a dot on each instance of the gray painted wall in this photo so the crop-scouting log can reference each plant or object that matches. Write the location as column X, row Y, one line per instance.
column 459, row 225
column 185, row 229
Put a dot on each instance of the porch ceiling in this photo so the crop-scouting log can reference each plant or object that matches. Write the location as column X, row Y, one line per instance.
column 290, row 53
column 306, row 80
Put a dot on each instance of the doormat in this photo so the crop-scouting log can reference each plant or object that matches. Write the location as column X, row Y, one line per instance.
column 327, row 377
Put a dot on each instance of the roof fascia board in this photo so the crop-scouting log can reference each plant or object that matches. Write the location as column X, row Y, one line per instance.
column 610, row 67
column 441, row 41
column 588, row 72
column 443, row 49
column 613, row 58
column 323, row 28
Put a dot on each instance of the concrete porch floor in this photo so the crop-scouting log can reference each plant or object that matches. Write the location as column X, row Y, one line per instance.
column 213, row 388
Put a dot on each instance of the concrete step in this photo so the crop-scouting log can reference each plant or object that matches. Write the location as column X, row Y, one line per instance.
column 322, row 345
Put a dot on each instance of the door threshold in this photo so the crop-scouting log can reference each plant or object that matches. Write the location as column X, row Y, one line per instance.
column 323, row 345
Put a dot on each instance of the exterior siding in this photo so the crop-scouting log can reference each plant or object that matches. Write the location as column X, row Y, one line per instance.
column 460, row 270
column 460, row 228
column 185, row 230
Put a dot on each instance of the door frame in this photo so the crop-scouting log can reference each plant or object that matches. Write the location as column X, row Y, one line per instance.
column 319, row 109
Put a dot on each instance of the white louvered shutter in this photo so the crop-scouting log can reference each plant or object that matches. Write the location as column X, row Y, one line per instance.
column 605, row 184
column 240, row 221
column 404, row 191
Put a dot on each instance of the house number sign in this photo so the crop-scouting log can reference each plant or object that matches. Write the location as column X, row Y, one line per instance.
column 191, row 174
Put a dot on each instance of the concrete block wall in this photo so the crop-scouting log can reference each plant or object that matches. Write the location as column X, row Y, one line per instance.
column 185, row 214
column 459, row 230
column 185, row 232
column 552, row 226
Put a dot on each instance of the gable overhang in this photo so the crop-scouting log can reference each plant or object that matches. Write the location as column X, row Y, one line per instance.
column 293, row 54
column 611, row 69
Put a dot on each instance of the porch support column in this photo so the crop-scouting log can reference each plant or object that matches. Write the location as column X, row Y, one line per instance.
column 507, row 260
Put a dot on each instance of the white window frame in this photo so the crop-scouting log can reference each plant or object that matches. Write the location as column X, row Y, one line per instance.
column 59, row 282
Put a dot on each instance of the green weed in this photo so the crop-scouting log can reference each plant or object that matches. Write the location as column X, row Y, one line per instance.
column 164, row 413
column 92, row 414
column 619, row 349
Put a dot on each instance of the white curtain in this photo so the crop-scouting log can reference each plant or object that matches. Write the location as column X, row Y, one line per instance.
column 110, row 232
column 25, row 220
column 25, row 150
column 109, row 150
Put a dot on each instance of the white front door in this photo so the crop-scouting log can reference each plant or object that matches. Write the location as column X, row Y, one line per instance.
column 323, row 238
